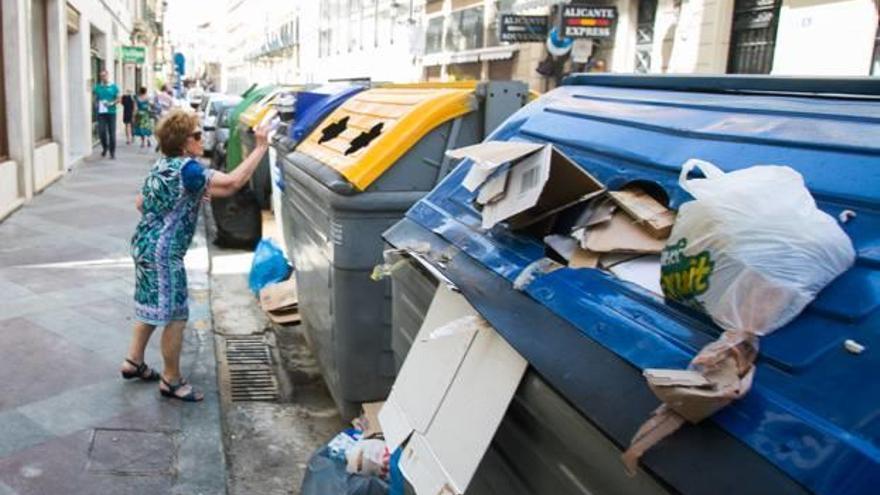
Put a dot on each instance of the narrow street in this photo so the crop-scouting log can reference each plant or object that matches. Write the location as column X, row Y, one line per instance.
column 69, row 423
column 439, row 247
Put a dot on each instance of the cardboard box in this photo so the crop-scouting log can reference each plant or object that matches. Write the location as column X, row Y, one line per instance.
column 450, row 396
column 539, row 182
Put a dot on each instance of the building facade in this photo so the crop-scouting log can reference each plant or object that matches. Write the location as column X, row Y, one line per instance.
column 51, row 54
column 785, row 37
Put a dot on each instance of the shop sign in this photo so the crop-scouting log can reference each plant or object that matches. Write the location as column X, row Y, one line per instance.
column 588, row 21
column 133, row 54
column 523, row 28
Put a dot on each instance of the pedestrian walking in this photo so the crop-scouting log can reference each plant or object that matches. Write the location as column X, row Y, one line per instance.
column 143, row 118
column 128, row 104
column 164, row 100
column 106, row 98
column 169, row 204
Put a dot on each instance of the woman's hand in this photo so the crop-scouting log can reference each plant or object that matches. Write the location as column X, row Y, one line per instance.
column 139, row 202
column 261, row 134
column 226, row 184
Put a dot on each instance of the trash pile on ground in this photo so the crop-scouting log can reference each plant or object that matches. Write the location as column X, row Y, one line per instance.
column 356, row 461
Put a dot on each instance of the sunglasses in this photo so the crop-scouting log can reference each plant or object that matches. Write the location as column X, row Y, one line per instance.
column 196, row 135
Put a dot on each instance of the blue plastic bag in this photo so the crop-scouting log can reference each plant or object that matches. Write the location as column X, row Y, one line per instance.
column 269, row 266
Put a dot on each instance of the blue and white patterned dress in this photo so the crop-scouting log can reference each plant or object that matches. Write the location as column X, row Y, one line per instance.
column 173, row 192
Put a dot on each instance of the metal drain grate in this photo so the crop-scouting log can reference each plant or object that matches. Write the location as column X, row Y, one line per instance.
column 249, row 363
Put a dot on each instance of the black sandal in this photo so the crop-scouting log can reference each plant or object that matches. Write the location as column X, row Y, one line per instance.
column 141, row 371
column 171, row 393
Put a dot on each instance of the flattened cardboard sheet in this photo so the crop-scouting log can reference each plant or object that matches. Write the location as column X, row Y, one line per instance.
column 450, row 396
column 621, row 235
column 279, row 296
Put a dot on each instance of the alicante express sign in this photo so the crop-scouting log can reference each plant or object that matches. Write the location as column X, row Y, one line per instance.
column 588, row 21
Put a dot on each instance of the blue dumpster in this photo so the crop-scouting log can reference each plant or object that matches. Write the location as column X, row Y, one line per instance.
column 810, row 424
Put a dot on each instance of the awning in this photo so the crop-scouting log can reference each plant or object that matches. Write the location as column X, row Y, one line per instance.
column 503, row 52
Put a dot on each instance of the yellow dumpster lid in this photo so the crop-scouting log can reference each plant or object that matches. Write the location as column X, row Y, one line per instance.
column 255, row 113
column 367, row 134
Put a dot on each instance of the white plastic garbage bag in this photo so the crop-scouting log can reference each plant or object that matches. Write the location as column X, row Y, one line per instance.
column 752, row 250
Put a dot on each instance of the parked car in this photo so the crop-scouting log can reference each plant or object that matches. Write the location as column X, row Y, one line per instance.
column 215, row 105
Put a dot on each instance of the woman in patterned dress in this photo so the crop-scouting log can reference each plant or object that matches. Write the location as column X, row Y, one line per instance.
column 169, row 203
column 143, row 118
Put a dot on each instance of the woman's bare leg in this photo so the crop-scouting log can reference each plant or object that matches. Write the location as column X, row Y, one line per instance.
column 172, row 342
column 139, row 338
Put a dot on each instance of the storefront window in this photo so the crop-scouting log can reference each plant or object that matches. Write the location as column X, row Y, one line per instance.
column 40, row 79
column 434, row 35
column 465, row 29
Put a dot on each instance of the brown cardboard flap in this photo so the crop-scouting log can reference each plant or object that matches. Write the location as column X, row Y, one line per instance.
column 278, row 296
column 621, row 234
column 646, row 211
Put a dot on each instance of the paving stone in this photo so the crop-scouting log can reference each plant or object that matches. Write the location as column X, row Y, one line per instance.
column 18, row 433
column 44, row 364
column 59, row 467
column 111, row 452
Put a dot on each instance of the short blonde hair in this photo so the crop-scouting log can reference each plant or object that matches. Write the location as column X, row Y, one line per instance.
column 173, row 130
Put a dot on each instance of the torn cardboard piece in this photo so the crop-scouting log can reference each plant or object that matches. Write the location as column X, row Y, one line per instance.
column 646, row 211
column 720, row 373
column 450, row 396
column 488, row 157
column 621, row 235
column 598, row 210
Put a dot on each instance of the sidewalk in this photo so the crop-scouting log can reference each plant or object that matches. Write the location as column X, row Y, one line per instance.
column 68, row 422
